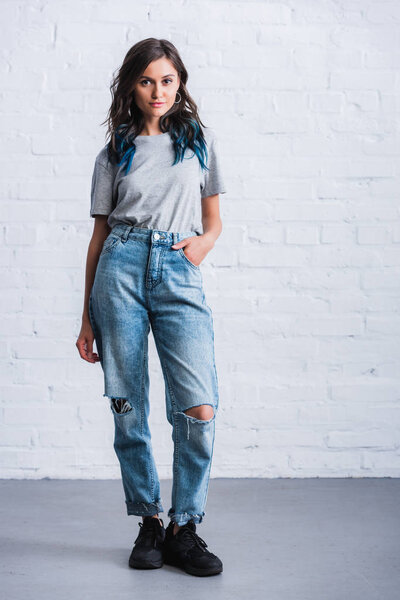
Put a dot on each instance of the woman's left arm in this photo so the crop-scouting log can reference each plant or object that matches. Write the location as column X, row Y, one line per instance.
column 212, row 224
column 200, row 245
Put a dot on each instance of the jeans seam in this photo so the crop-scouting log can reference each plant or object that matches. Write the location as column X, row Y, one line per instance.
column 174, row 415
column 142, row 392
column 216, row 397
column 142, row 419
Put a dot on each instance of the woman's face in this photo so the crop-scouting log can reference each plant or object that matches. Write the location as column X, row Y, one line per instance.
column 158, row 84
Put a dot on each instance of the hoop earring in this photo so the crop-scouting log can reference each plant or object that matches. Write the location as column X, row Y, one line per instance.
column 180, row 98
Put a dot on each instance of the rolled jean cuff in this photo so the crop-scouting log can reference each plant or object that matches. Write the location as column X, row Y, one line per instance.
column 144, row 509
column 183, row 518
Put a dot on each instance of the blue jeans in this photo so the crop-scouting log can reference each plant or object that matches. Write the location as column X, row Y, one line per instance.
column 140, row 282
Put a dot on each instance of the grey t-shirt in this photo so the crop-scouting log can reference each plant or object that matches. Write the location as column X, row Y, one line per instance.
column 156, row 194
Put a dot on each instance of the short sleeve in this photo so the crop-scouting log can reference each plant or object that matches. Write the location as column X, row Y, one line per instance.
column 102, row 190
column 213, row 180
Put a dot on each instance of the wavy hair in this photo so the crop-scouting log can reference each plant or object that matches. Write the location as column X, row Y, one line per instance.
column 125, row 119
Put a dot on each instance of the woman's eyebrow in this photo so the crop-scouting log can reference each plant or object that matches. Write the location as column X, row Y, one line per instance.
column 150, row 79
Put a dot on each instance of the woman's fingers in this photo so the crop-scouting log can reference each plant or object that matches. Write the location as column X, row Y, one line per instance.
column 85, row 349
column 89, row 349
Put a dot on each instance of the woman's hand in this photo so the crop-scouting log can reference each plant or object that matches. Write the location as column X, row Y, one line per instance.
column 197, row 247
column 85, row 341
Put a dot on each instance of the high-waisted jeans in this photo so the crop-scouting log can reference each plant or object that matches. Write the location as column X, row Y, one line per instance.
column 140, row 282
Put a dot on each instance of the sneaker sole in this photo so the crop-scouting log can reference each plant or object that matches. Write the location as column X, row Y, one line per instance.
column 146, row 565
column 192, row 570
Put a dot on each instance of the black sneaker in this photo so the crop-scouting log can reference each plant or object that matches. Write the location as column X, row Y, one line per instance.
column 147, row 551
column 188, row 551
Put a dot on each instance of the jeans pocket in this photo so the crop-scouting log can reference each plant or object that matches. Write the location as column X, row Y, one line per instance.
column 109, row 244
column 181, row 252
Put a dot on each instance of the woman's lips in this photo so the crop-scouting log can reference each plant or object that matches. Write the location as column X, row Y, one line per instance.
column 156, row 104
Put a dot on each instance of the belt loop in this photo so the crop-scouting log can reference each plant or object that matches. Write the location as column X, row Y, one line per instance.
column 126, row 233
column 176, row 240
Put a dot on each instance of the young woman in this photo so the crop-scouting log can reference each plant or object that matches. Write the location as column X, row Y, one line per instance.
column 155, row 202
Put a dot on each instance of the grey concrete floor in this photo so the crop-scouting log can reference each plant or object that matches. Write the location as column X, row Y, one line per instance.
column 279, row 539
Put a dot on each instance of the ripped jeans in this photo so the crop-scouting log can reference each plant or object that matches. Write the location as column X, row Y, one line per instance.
column 142, row 282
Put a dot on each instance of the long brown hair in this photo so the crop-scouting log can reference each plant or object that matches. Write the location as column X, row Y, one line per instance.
column 125, row 120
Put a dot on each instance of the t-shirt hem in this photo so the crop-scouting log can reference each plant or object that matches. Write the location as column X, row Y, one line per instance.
column 213, row 193
column 98, row 212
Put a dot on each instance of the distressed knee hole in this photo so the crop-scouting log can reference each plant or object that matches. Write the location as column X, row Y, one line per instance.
column 200, row 419
column 203, row 412
column 121, row 405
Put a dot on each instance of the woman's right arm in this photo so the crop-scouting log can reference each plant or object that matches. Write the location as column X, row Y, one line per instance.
column 85, row 340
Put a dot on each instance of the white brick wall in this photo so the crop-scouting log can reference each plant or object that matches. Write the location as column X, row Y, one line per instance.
column 304, row 281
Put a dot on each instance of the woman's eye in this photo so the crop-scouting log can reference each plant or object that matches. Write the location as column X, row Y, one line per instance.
column 145, row 80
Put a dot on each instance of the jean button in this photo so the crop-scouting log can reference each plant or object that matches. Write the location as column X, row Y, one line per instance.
column 156, row 236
